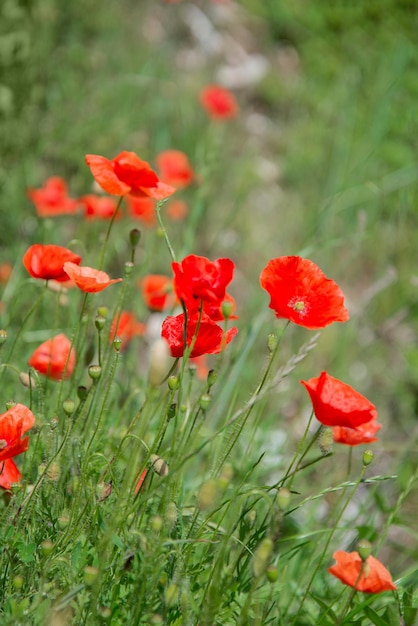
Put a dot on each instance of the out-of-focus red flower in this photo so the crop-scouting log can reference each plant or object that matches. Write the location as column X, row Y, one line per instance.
column 50, row 358
column 6, row 270
column 127, row 328
column 218, row 102
column 210, row 338
column 374, row 577
column 196, row 279
column 127, row 173
column 9, row 474
column 175, row 168
column 142, row 208
column 52, row 199
column 99, row 207
column 89, row 279
column 13, row 424
column 337, row 404
column 202, row 369
column 176, row 210
column 216, row 311
column 157, row 292
column 365, row 433
column 300, row 292
column 47, row 262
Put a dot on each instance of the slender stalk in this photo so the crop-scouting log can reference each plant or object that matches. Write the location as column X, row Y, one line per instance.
column 106, row 241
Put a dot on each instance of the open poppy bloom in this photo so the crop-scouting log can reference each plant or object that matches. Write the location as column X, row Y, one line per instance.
column 99, row 207
column 365, row 433
column 52, row 199
column 47, row 262
column 142, row 208
column 127, row 173
column 51, row 358
column 197, row 279
column 13, row 424
column 374, row 577
column 218, row 102
column 174, row 168
column 89, row 279
column 300, row 292
column 210, row 338
column 337, row 404
column 125, row 326
column 157, row 292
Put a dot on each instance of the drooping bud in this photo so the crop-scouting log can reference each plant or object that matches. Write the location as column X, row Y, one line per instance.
column 27, row 380
column 158, row 464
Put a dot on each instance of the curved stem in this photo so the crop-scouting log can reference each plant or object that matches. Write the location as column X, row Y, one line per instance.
column 106, row 241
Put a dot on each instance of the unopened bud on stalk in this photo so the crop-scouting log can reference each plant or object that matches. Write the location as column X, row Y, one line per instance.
column 10, row 404
column 63, row 521
column 27, row 380
column 18, row 581
column 262, row 556
column 205, row 401
column 272, row 342
column 82, row 392
column 173, row 383
column 158, row 464
column 95, row 371
column 159, row 361
column 99, row 322
column 283, row 498
column 90, row 575
column 134, row 237
column 212, row 377
column 325, row 441
column 157, row 523
column 207, row 495
column 3, row 336
column 46, row 547
column 364, row 549
column 226, row 309
column 171, row 411
column 368, row 456
column 272, row 573
column 102, row 311
column 117, row 344
column 128, row 268
column 68, row 406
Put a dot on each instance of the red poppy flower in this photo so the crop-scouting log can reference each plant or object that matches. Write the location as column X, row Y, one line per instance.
column 210, row 337
column 300, row 292
column 89, row 279
column 47, row 262
column 337, row 404
column 50, row 358
column 143, row 208
column 100, row 207
column 127, row 173
column 13, row 424
column 52, row 199
column 374, row 578
column 218, row 102
column 365, row 433
column 157, row 292
column 196, row 278
column 9, row 474
column 127, row 328
column 176, row 210
column 6, row 270
column 175, row 168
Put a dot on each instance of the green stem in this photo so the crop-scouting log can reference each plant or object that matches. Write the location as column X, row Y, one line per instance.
column 106, row 241
column 163, row 230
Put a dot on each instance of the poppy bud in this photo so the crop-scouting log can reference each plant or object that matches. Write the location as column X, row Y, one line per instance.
column 128, row 268
column 95, row 372
column 171, row 411
column 272, row 573
column 102, row 311
column 262, row 557
column 99, row 322
column 283, row 498
column 226, row 309
column 117, row 343
column 158, row 464
column 27, row 380
column 68, row 406
column 63, row 521
column 10, row 404
column 103, row 491
column 82, row 392
column 134, row 237
column 205, row 401
column 157, row 523
column 90, row 575
column 18, row 582
column 364, row 548
column 272, row 342
column 368, row 456
column 211, row 379
column 3, row 336
column 173, row 383
column 46, row 547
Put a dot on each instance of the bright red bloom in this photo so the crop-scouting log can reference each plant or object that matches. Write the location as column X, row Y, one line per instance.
column 47, row 262
column 196, row 278
column 13, row 424
column 337, row 404
column 210, row 339
column 143, row 208
column 218, row 102
column 374, row 578
column 176, row 210
column 50, row 358
column 175, row 168
column 365, row 433
column 127, row 328
column 89, row 279
column 300, row 292
column 127, row 173
column 100, row 207
column 52, row 199
column 157, row 292
column 9, row 474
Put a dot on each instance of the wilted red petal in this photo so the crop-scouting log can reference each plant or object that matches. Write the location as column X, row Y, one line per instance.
column 210, row 338
column 218, row 102
column 9, row 474
column 47, row 261
column 337, row 404
column 365, row 433
column 89, row 279
column 374, row 579
column 300, row 292
column 50, row 358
